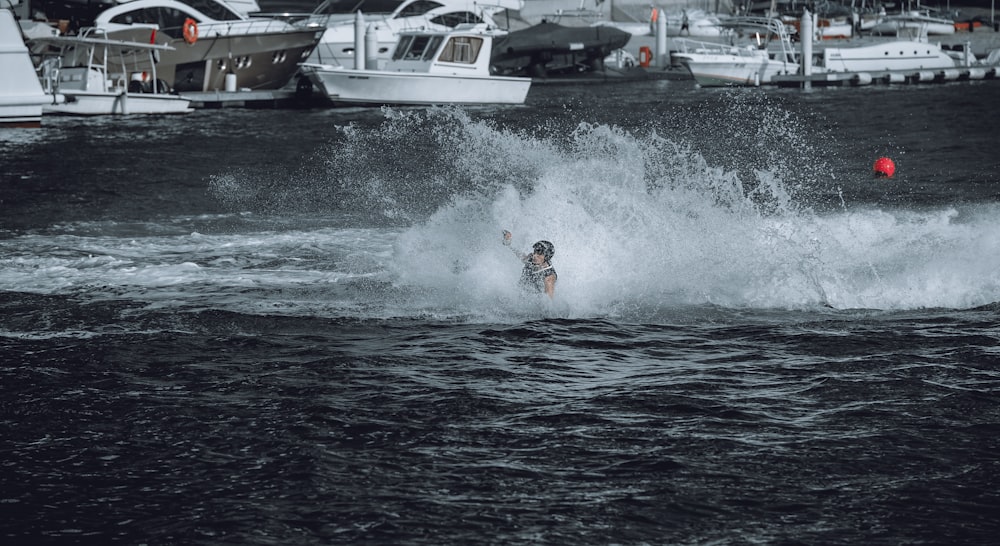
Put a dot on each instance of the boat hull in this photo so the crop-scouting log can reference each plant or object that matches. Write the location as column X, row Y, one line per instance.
column 260, row 60
column 100, row 104
column 893, row 28
column 834, row 30
column 342, row 52
column 24, row 115
column 734, row 70
column 376, row 87
column 914, row 22
column 21, row 95
column 825, row 28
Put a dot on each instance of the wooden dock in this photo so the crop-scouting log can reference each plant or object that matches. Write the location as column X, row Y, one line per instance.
column 886, row 77
column 269, row 98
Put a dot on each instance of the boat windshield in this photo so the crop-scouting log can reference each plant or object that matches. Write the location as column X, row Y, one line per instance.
column 456, row 18
column 419, row 8
column 416, row 48
column 163, row 17
column 335, row 7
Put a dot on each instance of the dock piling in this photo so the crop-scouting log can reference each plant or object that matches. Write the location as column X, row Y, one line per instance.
column 359, row 41
column 807, row 47
column 661, row 40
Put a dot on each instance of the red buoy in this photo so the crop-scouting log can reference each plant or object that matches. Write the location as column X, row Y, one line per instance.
column 884, row 167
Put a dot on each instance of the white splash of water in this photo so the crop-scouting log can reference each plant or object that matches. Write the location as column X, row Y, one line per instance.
column 643, row 225
column 644, row 222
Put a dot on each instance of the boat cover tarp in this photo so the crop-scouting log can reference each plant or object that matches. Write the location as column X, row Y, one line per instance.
column 556, row 38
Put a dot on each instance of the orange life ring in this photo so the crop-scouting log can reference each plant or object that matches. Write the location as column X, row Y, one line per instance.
column 190, row 29
column 645, row 56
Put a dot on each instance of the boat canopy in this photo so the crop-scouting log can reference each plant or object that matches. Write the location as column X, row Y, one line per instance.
column 83, row 51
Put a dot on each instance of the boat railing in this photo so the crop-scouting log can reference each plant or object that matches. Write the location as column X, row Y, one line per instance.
column 211, row 29
column 771, row 25
column 761, row 32
column 406, row 23
column 92, row 58
column 286, row 16
column 314, row 20
column 48, row 73
column 575, row 16
column 687, row 45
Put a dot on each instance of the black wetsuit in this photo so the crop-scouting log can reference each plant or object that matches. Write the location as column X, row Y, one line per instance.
column 533, row 278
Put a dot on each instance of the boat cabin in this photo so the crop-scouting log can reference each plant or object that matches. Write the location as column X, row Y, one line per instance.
column 466, row 50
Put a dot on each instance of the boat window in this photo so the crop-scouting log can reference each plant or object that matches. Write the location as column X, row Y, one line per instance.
column 165, row 18
column 401, row 47
column 417, row 48
column 333, row 7
column 213, row 9
column 456, row 18
column 135, row 16
column 419, row 7
column 461, row 49
column 432, row 47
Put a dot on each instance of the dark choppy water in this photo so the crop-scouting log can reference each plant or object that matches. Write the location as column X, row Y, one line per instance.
column 299, row 327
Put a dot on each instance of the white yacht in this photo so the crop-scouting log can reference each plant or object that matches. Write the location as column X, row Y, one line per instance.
column 210, row 39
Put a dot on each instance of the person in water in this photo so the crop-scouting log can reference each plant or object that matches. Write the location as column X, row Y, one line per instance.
column 538, row 274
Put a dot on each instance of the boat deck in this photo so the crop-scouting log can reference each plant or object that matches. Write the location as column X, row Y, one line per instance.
column 886, row 77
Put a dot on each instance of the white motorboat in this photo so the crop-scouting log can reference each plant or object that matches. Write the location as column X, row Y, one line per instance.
column 21, row 95
column 914, row 19
column 92, row 75
column 387, row 18
column 757, row 49
column 427, row 68
column 209, row 42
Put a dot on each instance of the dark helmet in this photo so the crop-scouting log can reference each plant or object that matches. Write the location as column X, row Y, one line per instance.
column 544, row 248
